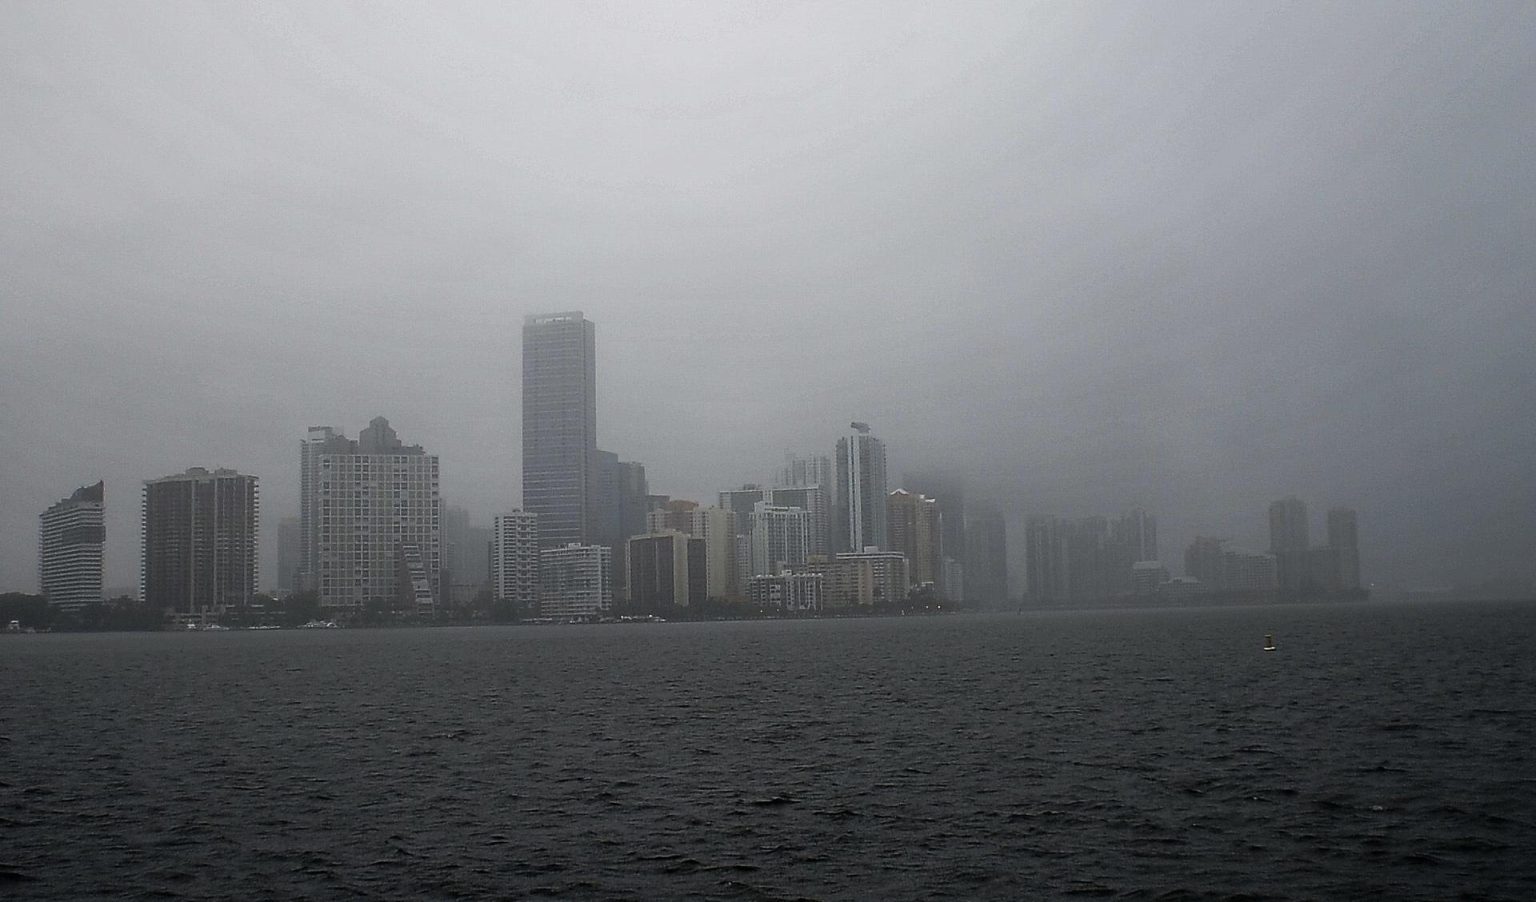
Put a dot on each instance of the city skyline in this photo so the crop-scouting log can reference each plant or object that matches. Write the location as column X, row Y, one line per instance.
column 1090, row 258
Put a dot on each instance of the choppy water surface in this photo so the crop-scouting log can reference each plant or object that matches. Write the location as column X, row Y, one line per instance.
column 1381, row 750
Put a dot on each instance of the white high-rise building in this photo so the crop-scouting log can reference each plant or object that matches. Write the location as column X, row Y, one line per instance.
column 69, row 549
column 861, row 487
column 370, row 520
column 515, row 559
column 575, row 581
column 781, row 537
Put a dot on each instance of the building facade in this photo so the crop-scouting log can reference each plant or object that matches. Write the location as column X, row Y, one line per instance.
column 71, row 536
column 560, row 454
column 199, row 541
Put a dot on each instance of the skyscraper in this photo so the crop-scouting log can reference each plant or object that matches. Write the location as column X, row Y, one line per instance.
column 200, row 541
column 560, row 459
column 71, row 534
column 370, row 518
column 861, row 491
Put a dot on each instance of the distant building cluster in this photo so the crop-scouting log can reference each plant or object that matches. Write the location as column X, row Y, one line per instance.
column 825, row 533
column 1096, row 559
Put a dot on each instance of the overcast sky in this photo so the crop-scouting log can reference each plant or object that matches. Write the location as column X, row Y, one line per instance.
column 1191, row 257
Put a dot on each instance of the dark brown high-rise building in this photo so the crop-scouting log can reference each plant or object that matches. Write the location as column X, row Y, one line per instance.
column 200, row 541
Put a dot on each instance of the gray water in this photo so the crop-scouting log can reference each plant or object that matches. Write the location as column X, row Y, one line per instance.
column 1379, row 751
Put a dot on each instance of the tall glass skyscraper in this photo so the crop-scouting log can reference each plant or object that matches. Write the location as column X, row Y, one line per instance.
column 861, row 487
column 560, row 459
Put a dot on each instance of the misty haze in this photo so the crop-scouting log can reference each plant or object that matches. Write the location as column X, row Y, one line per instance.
column 862, row 450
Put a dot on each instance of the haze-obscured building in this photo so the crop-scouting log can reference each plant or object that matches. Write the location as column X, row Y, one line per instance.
column 466, row 557
column 289, row 543
column 71, row 536
column 1147, row 577
column 947, row 491
column 1289, row 543
column 1229, row 570
column 1344, row 538
column 1046, row 575
column 986, row 559
column 1087, row 559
